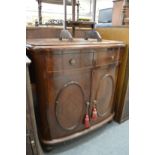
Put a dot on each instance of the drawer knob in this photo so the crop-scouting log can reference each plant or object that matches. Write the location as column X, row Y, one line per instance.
column 94, row 102
column 113, row 57
column 32, row 142
column 72, row 61
column 87, row 103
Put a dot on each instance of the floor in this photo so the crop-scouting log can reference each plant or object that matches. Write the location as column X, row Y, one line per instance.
column 112, row 139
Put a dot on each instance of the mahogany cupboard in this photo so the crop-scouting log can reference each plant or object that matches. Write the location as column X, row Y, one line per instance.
column 121, row 92
column 32, row 142
column 75, row 84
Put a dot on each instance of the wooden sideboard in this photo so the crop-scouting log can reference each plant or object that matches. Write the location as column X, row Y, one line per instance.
column 120, row 33
column 32, row 141
column 75, row 83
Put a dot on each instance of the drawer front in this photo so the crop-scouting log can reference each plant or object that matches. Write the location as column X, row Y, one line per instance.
column 106, row 56
column 68, row 60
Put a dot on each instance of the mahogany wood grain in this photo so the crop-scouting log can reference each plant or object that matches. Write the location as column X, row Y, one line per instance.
column 121, row 106
column 51, row 32
column 32, row 141
column 67, row 77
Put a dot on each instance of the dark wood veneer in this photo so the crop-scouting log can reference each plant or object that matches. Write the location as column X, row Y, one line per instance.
column 71, row 78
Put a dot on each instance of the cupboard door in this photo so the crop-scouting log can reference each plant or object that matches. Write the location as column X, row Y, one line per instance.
column 70, row 105
column 103, row 86
column 68, row 93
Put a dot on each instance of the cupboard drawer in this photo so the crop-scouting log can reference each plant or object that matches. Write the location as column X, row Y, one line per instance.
column 106, row 56
column 69, row 60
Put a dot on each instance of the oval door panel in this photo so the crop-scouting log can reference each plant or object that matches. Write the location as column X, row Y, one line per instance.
column 70, row 106
column 104, row 94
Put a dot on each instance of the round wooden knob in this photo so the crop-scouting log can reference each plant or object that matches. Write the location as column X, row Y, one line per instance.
column 32, row 142
column 95, row 101
column 72, row 61
column 87, row 103
column 113, row 57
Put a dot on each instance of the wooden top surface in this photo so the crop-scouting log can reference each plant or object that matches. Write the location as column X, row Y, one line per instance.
column 56, row 43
